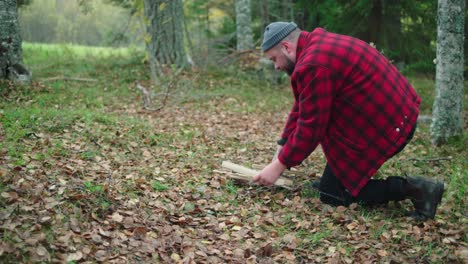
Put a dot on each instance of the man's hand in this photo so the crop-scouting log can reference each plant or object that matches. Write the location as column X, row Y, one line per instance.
column 270, row 173
column 278, row 150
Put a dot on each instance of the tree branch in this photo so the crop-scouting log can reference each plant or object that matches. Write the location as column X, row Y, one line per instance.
column 431, row 159
column 64, row 78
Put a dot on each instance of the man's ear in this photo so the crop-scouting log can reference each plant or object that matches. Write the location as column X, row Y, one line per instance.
column 286, row 46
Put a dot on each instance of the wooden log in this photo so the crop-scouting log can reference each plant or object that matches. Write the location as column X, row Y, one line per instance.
column 247, row 174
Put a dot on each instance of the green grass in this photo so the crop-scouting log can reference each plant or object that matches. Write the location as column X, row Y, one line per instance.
column 159, row 187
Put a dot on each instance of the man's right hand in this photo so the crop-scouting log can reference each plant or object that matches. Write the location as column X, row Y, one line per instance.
column 278, row 150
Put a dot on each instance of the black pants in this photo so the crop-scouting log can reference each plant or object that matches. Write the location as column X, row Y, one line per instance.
column 375, row 192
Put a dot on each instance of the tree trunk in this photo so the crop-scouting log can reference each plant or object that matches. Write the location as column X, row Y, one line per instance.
column 448, row 105
column 265, row 14
column 392, row 30
column 243, row 24
column 375, row 21
column 166, row 35
column 11, row 58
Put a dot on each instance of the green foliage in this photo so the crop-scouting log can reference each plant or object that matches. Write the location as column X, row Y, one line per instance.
column 57, row 21
column 159, row 187
column 405, row 31
column 93, row 188
column 21, row 3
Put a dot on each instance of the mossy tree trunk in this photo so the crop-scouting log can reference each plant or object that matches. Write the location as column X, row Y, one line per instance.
column 447, row 119
column 11, row 59
column 165, row 35
column 243, row 25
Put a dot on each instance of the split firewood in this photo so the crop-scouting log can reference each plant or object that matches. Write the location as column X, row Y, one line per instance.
column 247, row 174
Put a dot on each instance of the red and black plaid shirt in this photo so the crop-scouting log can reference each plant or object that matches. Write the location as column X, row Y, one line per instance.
column 350, row 99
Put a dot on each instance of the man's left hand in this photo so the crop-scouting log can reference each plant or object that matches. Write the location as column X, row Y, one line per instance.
column 270, row 173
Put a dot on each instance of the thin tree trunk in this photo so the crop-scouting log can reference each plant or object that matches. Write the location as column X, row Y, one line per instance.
column 287, row 10
column 244, row 28
column 448, row 105
column 375, row 22
column 264, row 10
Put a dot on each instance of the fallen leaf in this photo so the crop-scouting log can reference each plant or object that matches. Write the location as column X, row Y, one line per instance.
column 382, row 252
column 175, row 257
column 74, row 256
column 238, row 253
column 236, row 228
column 117, row 217
column 265, row 251
column 42, row 251
column 352, row 225
column 462, row 253
column 100, row 255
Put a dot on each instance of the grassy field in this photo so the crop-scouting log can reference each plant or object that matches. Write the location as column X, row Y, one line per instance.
column 88, row 175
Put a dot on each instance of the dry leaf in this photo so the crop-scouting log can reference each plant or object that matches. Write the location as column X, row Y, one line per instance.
column 42, row 251
column 382, row 253
column 117, row 217
column 236, row 228
column 74, row 256
column 175, row 257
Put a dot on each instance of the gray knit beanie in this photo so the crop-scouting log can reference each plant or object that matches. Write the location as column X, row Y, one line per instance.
column 275, row 32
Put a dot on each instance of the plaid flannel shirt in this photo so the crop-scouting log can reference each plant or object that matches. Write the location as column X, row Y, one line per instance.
column 350, row 99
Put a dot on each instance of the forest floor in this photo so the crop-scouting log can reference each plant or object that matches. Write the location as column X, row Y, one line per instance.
column 88, row 175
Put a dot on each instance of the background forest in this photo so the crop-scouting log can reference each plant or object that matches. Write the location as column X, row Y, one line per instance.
column 403, row 30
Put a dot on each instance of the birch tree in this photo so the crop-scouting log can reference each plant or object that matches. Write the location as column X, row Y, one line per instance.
column 243, row 25
column 448, row 105
column 11, row 58
column 165, row 34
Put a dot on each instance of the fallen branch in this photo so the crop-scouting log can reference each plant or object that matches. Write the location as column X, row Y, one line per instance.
column 64, row 78
column 247, row 174
column 431, row 159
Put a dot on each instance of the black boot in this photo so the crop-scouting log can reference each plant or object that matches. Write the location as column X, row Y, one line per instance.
column 425, row 194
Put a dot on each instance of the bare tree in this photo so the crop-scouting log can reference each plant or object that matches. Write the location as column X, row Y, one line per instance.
column 448, row 105
column 11, row 58
column 244, row 27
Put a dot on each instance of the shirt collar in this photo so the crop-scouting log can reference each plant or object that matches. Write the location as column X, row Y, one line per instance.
column 301, row 43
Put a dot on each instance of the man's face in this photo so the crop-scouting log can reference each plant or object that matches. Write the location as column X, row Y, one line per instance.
column 280, row 56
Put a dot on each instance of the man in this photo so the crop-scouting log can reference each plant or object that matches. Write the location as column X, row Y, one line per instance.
column 350, row 99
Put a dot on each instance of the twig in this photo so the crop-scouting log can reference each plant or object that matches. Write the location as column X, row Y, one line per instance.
column 431, row 159
column 57, row 78
column 147, row 96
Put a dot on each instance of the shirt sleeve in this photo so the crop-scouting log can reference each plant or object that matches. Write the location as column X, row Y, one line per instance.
column 315, row 97
column 290, row 123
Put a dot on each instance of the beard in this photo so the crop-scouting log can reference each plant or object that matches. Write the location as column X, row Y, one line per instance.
column 289, row 67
